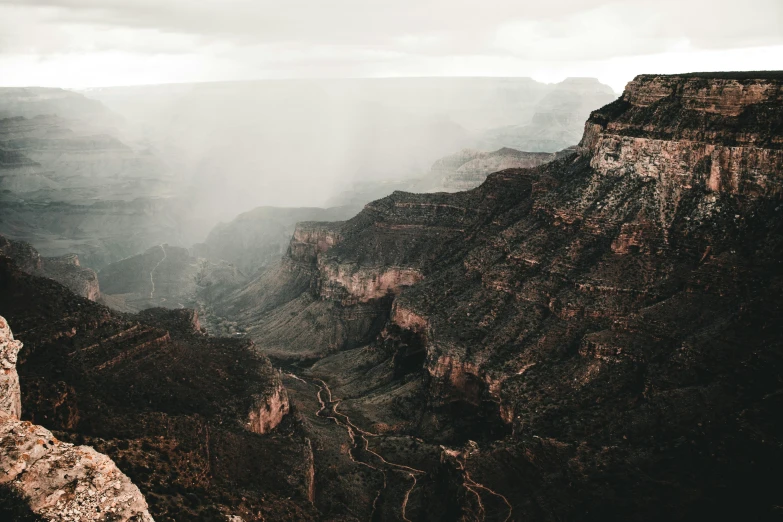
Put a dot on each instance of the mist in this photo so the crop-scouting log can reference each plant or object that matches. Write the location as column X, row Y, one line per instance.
column 234, row 146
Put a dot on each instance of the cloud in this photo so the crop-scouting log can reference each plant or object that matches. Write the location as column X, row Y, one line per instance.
column 264, row 38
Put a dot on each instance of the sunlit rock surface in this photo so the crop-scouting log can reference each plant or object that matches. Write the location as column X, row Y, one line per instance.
column 47, row 479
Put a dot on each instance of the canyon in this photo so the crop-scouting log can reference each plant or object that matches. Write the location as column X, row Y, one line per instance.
column 588, row 334
column 109, row 173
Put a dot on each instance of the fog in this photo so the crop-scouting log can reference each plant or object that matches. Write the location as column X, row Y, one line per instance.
column 234, row 146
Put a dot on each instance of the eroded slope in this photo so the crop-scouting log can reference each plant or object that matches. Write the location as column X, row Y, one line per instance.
column 606, row 326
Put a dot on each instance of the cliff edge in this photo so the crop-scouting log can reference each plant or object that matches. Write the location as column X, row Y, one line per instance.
column 45, row 479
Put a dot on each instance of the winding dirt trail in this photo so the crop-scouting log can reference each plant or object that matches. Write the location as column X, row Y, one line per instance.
column 152, row 272
column 473, row 486
column 363, row 434
column 328, row 408
column 359, row 440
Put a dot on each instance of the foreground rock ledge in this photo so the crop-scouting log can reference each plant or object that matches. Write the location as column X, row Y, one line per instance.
column 55, row 480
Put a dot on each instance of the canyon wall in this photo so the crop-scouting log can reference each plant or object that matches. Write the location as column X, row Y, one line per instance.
column 613, row 310
column 269, row 409
column 692, row 133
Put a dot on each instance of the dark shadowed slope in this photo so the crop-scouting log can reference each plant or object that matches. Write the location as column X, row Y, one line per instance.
column 200, row 424
column 606, row 326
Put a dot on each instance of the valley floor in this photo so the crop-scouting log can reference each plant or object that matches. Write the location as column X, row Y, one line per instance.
column 365, row 475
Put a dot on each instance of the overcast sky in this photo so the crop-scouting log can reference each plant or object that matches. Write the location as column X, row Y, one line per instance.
column 91, row 43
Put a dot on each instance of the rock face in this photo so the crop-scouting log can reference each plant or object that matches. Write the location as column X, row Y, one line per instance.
column 726, row 143
column 10, row 398
column 68, row 271
column 268, row 410
column 54, row 480
column 605, row 326
column 181, row 413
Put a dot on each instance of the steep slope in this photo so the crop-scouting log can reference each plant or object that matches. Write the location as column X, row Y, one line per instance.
column 46, row 479
column 606, row 326
column 199, row 424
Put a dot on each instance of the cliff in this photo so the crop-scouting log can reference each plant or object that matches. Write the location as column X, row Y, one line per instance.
column 604, row 326
column 692, row 133
column 49, row 479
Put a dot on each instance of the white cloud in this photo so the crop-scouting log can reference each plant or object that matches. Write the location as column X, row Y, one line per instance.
column 111, row 42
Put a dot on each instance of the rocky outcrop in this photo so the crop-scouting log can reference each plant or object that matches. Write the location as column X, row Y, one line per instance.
column 10, row 397
column 468, row 168
column 269, row 409
column 62, row 482
column 312, row 238
column 55, row 480
column 357, row 284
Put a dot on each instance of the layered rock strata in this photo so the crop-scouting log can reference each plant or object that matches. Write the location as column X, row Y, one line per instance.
column 692, row 133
